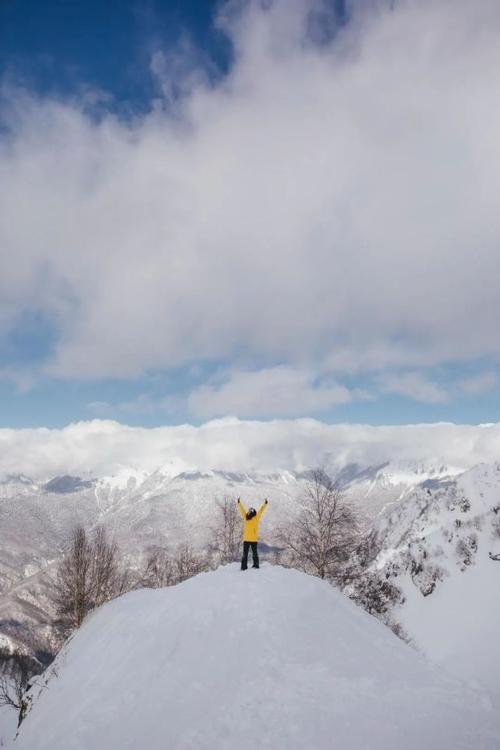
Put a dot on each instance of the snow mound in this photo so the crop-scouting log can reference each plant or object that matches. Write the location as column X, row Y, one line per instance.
column 270, row 658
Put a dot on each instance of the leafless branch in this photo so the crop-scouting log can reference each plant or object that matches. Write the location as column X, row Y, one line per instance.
column 326, row 531
column 89, row 575
column 15, row 672
column 226, row 534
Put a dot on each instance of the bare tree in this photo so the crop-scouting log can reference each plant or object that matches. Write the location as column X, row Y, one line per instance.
column 88, row 576
column 321, row 540
column 73, row 587
column 227, row 532
column 15, row 672
column 159, row 571
column 188, row 563
column 165, row 569
column 108, row 580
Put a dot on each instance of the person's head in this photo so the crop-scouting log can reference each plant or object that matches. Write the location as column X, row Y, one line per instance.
column 251, row 513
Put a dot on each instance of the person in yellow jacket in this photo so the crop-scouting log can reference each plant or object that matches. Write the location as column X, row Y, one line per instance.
column 251, row 520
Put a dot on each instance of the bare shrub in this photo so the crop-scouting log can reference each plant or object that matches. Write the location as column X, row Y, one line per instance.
column 16, row 670
column 159, row 571
column 325, row 534
column 376, row 593
column 466, row 550
column 495, row 524
column 277, row 556
column 165, row 569
column 188, row 563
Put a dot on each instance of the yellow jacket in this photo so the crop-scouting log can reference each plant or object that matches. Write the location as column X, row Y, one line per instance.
column 251, row 527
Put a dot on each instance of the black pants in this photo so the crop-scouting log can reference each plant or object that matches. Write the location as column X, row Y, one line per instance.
column 244, row 559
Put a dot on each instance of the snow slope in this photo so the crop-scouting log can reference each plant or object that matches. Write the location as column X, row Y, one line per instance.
column 270, row 658
column 436, row 546
column 8, row 725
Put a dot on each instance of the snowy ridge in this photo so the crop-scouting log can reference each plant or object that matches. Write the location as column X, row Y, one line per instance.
column 375, row 489
column 229, row 660
column 142, row 509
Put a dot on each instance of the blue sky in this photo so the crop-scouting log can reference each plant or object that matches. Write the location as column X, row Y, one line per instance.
column 55, row 47
column 277, row 209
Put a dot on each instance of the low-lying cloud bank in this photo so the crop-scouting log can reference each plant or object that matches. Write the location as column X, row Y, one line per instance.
column 102, row 447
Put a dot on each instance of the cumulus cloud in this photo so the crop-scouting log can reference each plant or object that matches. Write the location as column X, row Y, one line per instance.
column 99, row 448
column 414, row 385
column 419, row 387
column 332, row 201
column 278, row 391
column 476, row 385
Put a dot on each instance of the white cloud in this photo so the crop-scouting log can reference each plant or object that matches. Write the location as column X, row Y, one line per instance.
column 413, row 385
column 323, row 201
column 419, row 387
column 103, row 447
column 479, row 384
column 278, row 391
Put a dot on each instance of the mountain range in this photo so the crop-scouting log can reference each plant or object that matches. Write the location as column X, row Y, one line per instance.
column 435, row 528
column 142, row 510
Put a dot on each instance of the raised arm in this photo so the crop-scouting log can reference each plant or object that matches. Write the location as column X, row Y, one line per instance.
column 242, row 510
column 262, row 509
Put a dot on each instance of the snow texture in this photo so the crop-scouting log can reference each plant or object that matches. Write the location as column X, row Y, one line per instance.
column 437, row 545
column 8, row 726
column 270, row 659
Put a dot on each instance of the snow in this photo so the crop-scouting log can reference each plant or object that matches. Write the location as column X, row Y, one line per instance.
column 8, row 726
column 457, row 623
column 270, row 658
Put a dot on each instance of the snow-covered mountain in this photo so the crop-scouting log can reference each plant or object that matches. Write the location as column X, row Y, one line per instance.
column 435, row 527
column 143, row 509
column 425, row 516
column 374, row 489
column 272, row 658
column 436, row 544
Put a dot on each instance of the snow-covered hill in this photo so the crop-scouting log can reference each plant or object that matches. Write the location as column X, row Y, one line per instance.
column 142, row 509
column 436, row 546
column 270, row 658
